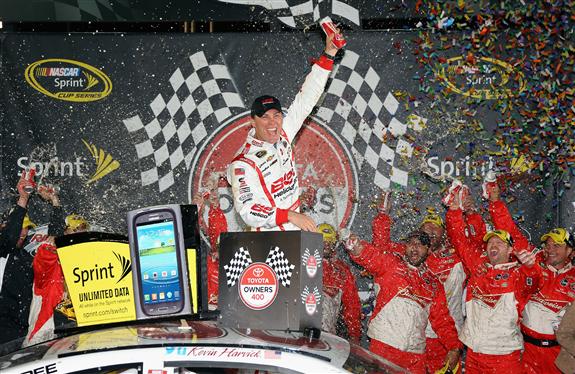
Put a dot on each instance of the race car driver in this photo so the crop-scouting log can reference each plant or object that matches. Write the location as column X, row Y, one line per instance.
column 544, row 310
column 339, row 288
column 408, row 297
column 263, row 176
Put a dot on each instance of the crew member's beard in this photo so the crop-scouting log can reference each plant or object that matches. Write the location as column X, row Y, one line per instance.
column 415, row 260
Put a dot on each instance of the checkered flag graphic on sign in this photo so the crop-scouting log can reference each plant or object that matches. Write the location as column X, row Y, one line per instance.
column 237, row 265
column 277, row 261
column 298, row 13
column 201, row 94
column 376, row 137
column 86, row 10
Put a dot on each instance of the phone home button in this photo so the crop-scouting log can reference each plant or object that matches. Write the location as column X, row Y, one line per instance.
column 163, row 309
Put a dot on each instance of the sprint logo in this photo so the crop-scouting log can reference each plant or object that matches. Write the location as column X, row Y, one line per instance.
column 126, row 266
column 105, row 163
column 54, row 166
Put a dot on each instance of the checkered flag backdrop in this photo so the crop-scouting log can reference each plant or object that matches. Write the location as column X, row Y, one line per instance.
column 86, row 10
column 377, row 139
column 201, row 95
column 304, row 13
column 237, row 265
column 277, row 261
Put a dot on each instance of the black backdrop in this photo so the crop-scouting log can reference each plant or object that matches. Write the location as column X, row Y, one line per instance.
column 375, row 97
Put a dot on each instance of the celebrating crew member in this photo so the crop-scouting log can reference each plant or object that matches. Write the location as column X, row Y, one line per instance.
column 16, row 293
column 339, row 288
column 263, row 175
column 49, row 289
column 442, row 262
column 217, row 223
column 408, row 296
column 496, row 293
column 543, row 312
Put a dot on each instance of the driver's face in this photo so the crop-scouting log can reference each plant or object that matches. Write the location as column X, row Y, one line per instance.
column 269, row 126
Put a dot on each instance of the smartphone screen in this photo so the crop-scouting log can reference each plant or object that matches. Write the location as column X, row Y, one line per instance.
column 160, row 278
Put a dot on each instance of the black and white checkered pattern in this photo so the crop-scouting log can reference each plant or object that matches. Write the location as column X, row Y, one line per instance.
column 353, row 108
column 237, row 265
column 202, row 94
column 298, row 13
column 277, row 261
column 86, row 10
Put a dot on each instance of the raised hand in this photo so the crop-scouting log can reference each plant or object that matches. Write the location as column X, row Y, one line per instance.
column 49, row 193
column 23, row 188
column 330, row 47
column 526, row 258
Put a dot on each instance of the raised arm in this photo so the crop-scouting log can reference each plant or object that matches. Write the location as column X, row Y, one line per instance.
column 368, row 256
column 502, row 220
column 465, row 248
column 310, row 92
column 10, row 233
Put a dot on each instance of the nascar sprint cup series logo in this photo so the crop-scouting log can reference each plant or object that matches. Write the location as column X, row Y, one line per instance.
column 68, row 80
column 322, row 163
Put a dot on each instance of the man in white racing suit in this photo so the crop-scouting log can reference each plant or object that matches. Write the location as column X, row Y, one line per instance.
column 263, row 175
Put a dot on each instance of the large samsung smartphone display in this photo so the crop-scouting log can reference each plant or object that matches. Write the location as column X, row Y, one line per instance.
column 159, row 261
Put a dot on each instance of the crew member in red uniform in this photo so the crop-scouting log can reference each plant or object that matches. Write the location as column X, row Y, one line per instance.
column 496, row 292
column 339, row 289
column 442, row 261
column 543, row 312
column 263, row 176
column 217, row 224
column 409, row 297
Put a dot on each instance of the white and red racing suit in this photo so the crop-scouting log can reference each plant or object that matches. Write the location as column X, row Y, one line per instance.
column 340, row 293
column 408, row 298
column 448, row 268
column 263, row 175
column 544, row 309
column 494, row 301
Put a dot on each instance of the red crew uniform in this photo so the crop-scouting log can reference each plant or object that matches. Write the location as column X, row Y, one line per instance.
column 544, row 310
column 263, row 175
column 217, row 224
column 340, row 292
column 495, row 298
column 407, row 298
column 448, row 269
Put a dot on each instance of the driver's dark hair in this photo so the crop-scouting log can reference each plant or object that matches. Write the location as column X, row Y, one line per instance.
column 421, row 237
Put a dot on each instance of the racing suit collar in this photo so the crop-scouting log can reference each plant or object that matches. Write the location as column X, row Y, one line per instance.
column 565, row 269
column 258, row 143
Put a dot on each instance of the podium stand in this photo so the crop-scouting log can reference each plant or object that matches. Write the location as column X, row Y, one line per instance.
column 271, row 280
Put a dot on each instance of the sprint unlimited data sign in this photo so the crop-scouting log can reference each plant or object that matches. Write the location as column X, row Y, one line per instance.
column 99, row 279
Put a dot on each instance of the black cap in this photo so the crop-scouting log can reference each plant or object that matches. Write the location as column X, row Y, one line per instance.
column 420, row 236
column 264, row 103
